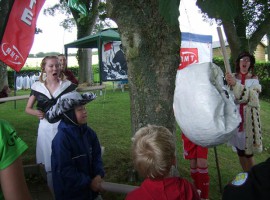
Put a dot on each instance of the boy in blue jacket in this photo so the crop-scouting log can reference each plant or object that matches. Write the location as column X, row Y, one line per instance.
column 77, row 168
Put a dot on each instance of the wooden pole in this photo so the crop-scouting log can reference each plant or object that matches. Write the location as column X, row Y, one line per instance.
column 223, row 49
column 118, row 188
column 228, row 69
column 14, row 98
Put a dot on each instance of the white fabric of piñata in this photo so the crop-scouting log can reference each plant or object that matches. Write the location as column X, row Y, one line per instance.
column 203, row 106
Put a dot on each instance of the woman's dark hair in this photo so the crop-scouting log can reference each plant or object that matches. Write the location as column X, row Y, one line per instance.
column 252, row 61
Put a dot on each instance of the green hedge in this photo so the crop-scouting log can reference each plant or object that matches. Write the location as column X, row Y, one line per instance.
column 28, row 70
column 262, row 69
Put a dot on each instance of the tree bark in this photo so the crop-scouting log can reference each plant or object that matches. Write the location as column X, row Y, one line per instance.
column 152, row 49
column 261, row 31
column 85, row 63
column 237, row 39
column 5, row 7
column 85, row 28
column 245, row 23
column 268, row 46
column 3, row 75
column 233, row 40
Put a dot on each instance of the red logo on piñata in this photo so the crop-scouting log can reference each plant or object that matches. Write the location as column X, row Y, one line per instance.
column 188, row 56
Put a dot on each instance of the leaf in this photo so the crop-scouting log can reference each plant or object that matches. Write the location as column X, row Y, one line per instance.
column 221, row 9
column 169, row 9
column 76, row 5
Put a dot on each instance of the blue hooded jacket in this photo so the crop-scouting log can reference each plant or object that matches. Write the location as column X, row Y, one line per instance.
column 76, row 159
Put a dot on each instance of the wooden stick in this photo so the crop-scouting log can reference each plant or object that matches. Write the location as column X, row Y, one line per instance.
column 14, row 98
column 117, row 188
column 90, row 88
column 223, row 49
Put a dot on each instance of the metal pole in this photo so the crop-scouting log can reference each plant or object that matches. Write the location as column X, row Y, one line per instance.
column 218, row 171
column 15, row 87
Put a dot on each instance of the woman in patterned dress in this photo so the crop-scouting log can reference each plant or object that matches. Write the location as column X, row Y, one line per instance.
column 51, row 85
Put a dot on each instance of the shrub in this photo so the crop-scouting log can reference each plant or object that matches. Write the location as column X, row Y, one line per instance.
column 36, row 70
column 262, row 70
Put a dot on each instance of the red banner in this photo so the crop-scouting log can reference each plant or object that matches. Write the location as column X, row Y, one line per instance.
column 188, row 56
column 19, row 33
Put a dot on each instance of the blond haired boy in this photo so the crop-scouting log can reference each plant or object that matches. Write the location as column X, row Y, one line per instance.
column 153, row 153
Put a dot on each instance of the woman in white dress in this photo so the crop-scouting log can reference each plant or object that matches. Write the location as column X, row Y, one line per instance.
column 51, row 85
column 246, row 89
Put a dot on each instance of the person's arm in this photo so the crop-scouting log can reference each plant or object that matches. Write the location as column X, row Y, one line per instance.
column 242, row 93
column 246, row 94
column 66, row 164
column 97, row 164
column 13, row 183
column 29, row 108
column 96, row 184
column 230, row 79
column 96, row 155
column 70, row 76
column 73, row 79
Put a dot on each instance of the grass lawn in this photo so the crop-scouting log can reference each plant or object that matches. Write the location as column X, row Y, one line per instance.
column 109, row 116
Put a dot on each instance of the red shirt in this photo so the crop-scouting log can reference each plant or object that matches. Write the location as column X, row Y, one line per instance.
column 70, row 76
column 173, row 188
column 3, row 94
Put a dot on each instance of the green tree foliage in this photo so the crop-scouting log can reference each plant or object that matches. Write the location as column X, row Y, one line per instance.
column 213, row 9
column 95, row 17
column 245, row 22
column 268, row 46
column 5, row 7
column 84, row 14
column 168, row 11
column 42, row 54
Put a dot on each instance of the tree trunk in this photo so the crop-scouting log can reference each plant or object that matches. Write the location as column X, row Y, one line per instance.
column 236, row 36
column 85, row 55
column 268, row 46
column 233, row 41
column 85, row 63
column 3, row 75
column 152, row 48
column 5, row 7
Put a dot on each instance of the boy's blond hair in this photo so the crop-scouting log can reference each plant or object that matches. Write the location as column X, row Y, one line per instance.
column 153, row 151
